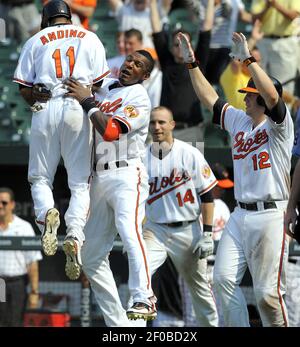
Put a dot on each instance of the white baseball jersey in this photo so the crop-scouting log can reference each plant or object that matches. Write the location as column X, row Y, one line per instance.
column 130, row 106
column 176, row 182
column 58, row 52
column 262, row 156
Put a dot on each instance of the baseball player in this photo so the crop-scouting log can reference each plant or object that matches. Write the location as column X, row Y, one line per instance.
column 119, row 187
column 59, row 126
column 262, row 139
column 180, row 182
column 292, row 226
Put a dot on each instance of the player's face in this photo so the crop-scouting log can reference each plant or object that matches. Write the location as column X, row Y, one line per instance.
column 161, row 126
column 6, row 205
column 134, row 69
column 252, row 108
column 132, row 44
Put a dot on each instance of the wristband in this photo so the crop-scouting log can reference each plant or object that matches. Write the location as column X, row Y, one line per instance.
column 92, row 111
column 207, row 228
column 192, row 65
column 249, row 61
column 88, row 103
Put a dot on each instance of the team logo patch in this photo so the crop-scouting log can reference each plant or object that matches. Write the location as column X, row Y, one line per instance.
column 206, row 171
column 131, row 111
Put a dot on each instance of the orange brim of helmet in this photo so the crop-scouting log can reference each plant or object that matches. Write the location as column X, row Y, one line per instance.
column 248, row 90
column 227, row 183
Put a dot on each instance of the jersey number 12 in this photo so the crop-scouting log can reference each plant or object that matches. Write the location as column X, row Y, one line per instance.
column 57, row 59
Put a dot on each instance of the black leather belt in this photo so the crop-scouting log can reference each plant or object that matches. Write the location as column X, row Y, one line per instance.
column 277, row 37
column 13, row 278
column 179, row 224
column 121, row 163
column 254, row 207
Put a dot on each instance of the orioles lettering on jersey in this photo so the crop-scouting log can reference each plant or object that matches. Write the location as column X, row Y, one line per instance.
column 61, row 34
column 159, row 184
column 252, row 144
column 109, row 107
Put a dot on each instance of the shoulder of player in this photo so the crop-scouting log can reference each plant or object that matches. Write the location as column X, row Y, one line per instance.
column 187, row 147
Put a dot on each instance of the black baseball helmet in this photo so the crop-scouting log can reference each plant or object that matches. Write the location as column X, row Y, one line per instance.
column 251, row 88
column 55, row 8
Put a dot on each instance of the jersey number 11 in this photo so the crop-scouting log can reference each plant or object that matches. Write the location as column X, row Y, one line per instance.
column 58, row 65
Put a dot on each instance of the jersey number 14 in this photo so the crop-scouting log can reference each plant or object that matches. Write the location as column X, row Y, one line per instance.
column 57, row 59
column 188, row 196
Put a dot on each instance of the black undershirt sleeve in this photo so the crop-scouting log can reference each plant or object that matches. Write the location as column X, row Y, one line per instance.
column 207, row 197
column 278, row 112
column 217, row 111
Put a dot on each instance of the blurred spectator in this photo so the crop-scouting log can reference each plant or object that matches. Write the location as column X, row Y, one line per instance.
column 21, row 17
column 221, row 216
column 133, row 41
column 177, row 91
column 136, row 14
column 226, row 14
column 16, row 267
column 115, row 62
column 279, row 45
column 84, row 9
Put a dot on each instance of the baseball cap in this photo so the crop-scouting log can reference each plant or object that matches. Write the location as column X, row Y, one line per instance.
column 222, row 176
column 250, row 88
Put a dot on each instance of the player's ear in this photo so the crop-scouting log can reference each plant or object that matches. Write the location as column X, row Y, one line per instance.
column 173, row 123
column 146, row 75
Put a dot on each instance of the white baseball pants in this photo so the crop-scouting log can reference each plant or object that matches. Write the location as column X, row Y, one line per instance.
column 118, row 206
column 61, row 129
column 255, row 239
column 179, row 243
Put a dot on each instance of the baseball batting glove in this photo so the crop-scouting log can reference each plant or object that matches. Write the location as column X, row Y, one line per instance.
column 41, row 93
column 186, row 48
column 205, row 246
column 240, row 50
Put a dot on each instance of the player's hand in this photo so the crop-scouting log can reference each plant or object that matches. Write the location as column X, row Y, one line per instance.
column 290, row 221
column 205, row 246
column 77, row 90
column 240, row 50
column 40, row 93
column 186, row 48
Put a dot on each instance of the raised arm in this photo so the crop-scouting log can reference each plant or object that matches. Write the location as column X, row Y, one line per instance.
column 202, row 87
column 261, row 80
column 155, row 17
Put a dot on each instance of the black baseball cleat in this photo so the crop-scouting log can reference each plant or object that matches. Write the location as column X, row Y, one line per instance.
column 140, row 310
column 49, row 237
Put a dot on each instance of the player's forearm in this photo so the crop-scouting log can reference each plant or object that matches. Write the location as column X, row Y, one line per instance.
column 96, row 116
column 203, row 88
column 264, row 85
column 295, row 191
column 207, row 210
